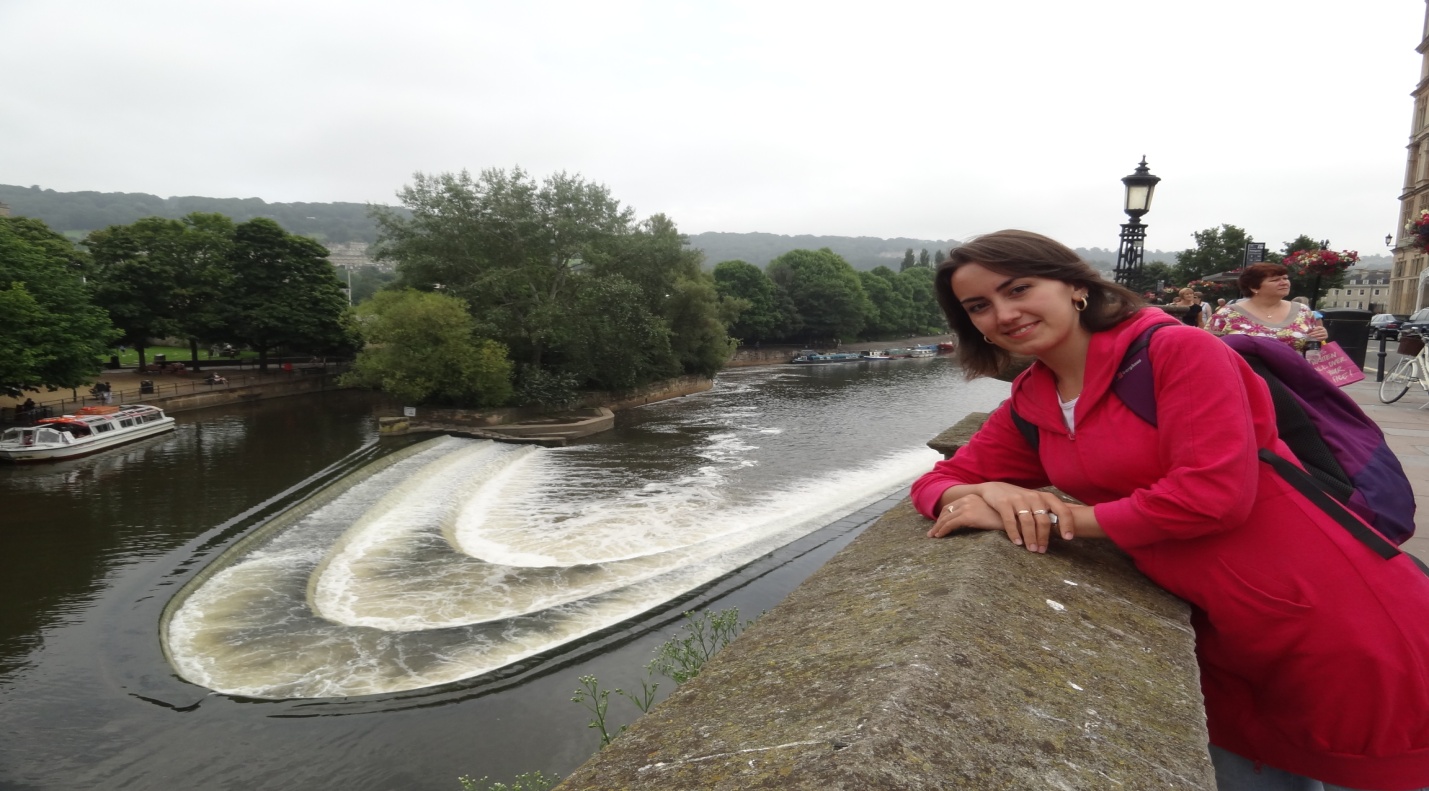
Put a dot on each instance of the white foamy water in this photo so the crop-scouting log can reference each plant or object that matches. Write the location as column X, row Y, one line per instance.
column 466, row 556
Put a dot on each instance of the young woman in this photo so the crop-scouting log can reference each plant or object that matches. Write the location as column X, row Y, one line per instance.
column 1314, row 651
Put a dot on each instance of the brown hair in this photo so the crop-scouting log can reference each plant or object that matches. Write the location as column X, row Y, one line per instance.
column 1025, row 254
column 1255, row 274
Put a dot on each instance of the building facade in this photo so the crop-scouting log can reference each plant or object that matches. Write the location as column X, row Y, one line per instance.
column 1409, row 285
column 1366, row 290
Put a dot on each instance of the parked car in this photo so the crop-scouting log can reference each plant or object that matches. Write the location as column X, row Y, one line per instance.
column 1417, row 324
column 1385, row 325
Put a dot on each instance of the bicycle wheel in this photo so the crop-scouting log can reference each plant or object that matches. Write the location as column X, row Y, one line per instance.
column 1397, row 383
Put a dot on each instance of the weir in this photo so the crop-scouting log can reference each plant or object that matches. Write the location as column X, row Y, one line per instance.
column 913, row 663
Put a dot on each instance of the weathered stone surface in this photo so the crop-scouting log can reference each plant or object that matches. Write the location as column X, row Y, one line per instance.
column 912, row 663
column 948, row 442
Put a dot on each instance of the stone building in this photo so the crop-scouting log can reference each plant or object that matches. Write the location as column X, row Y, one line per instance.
column 1409, row 286
column 1367, row 290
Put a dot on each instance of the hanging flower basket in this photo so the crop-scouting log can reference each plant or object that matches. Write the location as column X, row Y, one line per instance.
column 1420, row 228
column 1320, row 262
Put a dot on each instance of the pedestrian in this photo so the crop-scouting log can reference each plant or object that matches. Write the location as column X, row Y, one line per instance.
column 1265, row 312
column 1312, row 648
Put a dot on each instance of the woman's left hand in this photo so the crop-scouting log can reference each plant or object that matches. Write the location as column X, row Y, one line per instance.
column 1319, row 334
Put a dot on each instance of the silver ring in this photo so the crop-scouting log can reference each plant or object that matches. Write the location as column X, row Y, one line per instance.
column 1039, row 512
column 1020, row 513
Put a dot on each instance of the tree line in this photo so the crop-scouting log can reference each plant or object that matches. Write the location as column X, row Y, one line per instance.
column 507, row 290
column 203, row 278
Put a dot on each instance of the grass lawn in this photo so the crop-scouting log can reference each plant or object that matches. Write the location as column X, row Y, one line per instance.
column 129, row 357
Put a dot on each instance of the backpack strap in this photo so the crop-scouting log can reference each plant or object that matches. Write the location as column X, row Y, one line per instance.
column 1133, row 384
column 1310, row 488
column 1029, row 432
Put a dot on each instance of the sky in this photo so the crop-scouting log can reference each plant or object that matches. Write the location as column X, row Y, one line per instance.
column 927, row 120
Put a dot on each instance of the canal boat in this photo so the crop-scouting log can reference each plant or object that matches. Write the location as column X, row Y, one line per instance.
column 876, row 354
column 923, row 351
column 89, row 430
column 808, row 358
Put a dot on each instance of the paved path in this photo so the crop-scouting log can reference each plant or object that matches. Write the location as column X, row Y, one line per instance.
column 1406, row 426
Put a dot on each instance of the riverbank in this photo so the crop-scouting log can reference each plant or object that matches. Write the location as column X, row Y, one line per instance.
column 765, row 354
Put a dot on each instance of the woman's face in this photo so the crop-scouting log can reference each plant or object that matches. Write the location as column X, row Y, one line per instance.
column 1275, row 285
column 1024, row 315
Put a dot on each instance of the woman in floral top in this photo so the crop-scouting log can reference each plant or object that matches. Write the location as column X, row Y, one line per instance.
column 1266, row 312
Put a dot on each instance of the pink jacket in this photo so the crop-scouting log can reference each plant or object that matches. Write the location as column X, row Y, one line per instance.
column 1314, row 651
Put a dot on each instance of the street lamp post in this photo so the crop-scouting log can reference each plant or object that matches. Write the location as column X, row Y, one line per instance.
column 1139, row 187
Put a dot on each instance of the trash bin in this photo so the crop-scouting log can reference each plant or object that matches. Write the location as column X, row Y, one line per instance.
column 1349, row 327
column 113, row 361
column 159, row 359
column 146, row 387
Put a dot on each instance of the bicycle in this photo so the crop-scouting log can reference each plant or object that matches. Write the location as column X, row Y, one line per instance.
column 1410, row 370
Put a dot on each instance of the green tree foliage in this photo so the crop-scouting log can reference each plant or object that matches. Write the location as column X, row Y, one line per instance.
column 542, row 266
column 52, row 335
column 504, row 243
column 825, row 291
column 1153, row 278
column 283, row 292
column 927, row 316
column 908, row 261
column 674, row 288
column 923, row 259
column 161, row 278
column 422, row 348
column 610, row 339
column 1217, row 250
column 767, row 314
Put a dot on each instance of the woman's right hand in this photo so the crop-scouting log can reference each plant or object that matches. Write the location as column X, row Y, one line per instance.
column 1025, row 515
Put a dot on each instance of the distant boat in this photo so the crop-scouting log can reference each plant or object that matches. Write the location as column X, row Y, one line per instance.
column 923, row 351
column 809, row 357
column 947, row 347
column 876, row 354
column 90, row 430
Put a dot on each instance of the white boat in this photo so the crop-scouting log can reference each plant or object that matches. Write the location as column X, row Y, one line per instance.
column 90, row 430
column 876, row 354
column 923, row 351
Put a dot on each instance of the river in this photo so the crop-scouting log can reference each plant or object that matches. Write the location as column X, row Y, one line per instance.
column 271, row 597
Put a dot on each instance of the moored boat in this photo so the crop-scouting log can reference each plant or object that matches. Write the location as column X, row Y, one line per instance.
column 923, row 351
column 876, row 354
column 89, row 430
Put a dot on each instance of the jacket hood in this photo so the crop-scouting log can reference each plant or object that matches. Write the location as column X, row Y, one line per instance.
column 1035, row 390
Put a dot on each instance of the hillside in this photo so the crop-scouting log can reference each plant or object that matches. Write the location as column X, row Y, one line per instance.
column 77, row 213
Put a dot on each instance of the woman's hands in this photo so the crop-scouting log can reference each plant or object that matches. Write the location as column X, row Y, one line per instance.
column 1318, row 334
column 1025, row 515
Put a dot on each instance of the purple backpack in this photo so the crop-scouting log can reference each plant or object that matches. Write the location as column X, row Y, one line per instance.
column 1343, row 450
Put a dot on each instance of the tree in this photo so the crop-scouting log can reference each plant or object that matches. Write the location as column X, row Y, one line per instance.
column 927, row 314
column 765, row 316
column 908, row 260
column 137, row 270
column 892, row 298
column 609, row 339
column 284, row 292
column 1153, row 278
column 825, row 290
column 1217, row 250
column 923, row 257
column 653, row 256
column 506, row 245
column 422, row 348
column 160, row 278
column 52, row 335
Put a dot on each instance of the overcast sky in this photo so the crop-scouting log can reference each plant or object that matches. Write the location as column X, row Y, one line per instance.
column 929, row 120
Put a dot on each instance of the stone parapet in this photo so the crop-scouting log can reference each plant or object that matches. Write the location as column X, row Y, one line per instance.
column 912, row 663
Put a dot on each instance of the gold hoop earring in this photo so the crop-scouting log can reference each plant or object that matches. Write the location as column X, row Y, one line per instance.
column 1082, row 306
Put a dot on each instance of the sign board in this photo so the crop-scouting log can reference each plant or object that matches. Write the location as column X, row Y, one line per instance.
column 409, row 411
column 1254, row 253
